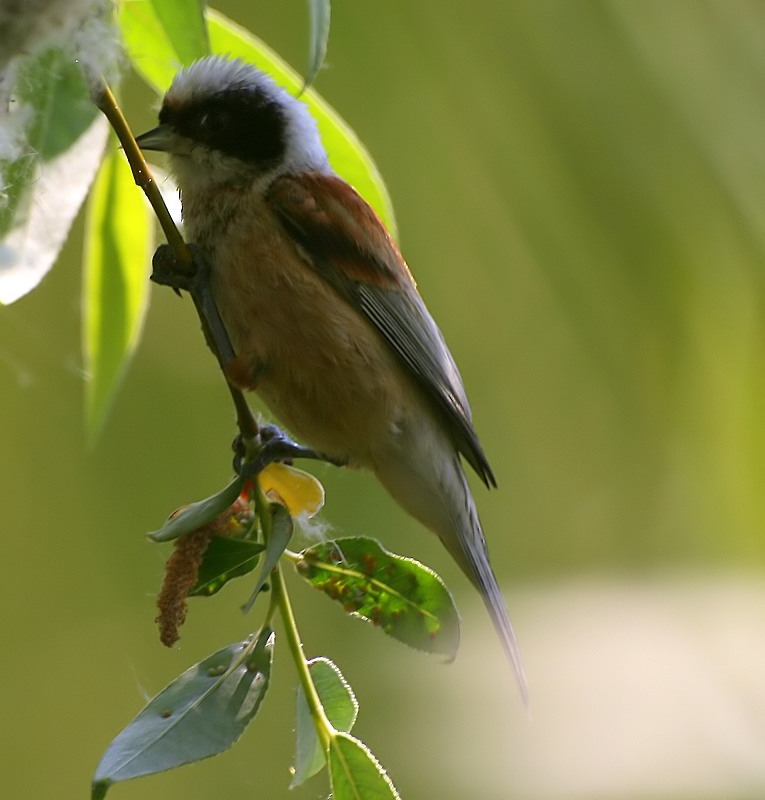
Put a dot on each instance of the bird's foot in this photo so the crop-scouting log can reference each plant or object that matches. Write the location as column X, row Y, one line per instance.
column 167, row 271
column 275, row 446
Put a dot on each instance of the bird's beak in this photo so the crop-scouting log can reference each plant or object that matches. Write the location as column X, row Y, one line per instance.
column 158, row 138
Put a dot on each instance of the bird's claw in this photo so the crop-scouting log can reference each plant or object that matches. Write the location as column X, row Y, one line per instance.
column 275, row 446
column 167, row 271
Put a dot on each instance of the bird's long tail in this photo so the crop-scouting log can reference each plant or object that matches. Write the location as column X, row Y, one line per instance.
column 446, row 506
column 482, row 575
column 469, row 550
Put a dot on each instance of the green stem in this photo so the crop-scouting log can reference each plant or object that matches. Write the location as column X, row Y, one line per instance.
column 261, row 507
column 266, row 525
column 324, row 728
column 279, row 597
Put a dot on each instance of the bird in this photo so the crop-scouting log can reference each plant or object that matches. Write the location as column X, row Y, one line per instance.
column 323, row 313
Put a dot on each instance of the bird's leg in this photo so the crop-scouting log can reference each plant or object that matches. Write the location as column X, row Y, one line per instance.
column 275, row 445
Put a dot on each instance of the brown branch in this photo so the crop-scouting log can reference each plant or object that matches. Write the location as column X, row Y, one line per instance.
column 212, row 326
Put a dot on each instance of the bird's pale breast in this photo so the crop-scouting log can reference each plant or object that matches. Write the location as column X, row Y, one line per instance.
column 316, row 362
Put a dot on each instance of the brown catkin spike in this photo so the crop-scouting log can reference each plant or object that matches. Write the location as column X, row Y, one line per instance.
column 181, row 573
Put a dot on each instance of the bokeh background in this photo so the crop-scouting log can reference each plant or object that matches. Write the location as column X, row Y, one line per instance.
column 580, row 191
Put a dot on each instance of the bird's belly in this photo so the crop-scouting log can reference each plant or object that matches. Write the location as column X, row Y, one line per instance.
column 332, row 389
column 318, row 364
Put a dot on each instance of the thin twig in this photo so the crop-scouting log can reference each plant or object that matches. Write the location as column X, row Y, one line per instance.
column 212, row 325
column 324, row 728
column 103, row 98
column 218, row 341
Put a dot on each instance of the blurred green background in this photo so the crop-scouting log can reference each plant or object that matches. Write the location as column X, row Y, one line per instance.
column 580, row 193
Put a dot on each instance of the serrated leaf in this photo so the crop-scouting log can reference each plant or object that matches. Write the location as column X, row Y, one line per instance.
column 118, row 239
column 184, row 24
column 339, row 705
column 281, row 533
column 355, row 773
column 198, row 514
column 348, row 155
column 403, row 597
column 200, row 714
column 298, row 490
column 320, row 12
column 223, row 560
column 53, row 143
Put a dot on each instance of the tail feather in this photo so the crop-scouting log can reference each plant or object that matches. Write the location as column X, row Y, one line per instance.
column 469, row 550
column 483, row 577
column 443, row 502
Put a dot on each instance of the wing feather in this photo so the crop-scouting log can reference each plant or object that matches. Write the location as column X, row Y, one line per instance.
column 347, row 244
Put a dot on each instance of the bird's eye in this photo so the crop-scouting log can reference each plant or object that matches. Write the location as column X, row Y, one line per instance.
column 214, row 122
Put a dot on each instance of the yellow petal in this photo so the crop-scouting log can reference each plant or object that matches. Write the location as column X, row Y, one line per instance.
column 299, row 491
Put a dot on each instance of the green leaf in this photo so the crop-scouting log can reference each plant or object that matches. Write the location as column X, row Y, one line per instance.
column 199, row 514
column 223, row 560
column 406, row 599
column 200, row 714
column 339, row 705
column 355, row 773
column 148, row 43
column 52, row 109
column 184, row 24
column 57, row 149
column 348, row 155
column 281, row 532
column 320, row 12
column 154, row 58
column 118, row 242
